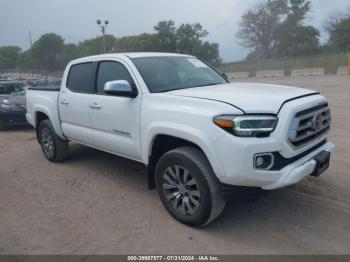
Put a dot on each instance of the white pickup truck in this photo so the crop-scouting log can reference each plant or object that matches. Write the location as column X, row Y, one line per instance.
column 199, row 135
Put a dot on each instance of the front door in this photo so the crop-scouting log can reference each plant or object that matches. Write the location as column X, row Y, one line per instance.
column 115, row 120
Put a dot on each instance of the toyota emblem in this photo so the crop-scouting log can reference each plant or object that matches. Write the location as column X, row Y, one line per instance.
column 317, row 121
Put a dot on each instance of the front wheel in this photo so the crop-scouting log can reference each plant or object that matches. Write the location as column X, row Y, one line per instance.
column 188, row 188
column 54, row 148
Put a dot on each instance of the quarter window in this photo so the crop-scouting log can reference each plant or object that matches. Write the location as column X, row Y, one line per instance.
column 111, row 71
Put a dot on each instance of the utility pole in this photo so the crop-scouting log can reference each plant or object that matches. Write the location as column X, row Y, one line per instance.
column 103, row 27
column 30, row 39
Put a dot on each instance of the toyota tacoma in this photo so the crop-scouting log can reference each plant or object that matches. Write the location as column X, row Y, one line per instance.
column 199, row 135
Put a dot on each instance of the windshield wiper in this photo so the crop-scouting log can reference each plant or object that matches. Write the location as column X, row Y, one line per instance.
column 174, row 89
column 210, row 84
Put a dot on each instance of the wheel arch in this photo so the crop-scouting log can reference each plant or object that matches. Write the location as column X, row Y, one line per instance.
column 39, row 116
column 42, row 114
column 163, row 142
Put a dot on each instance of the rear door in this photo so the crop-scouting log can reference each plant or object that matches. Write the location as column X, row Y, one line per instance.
column 74, row 102
column 115, row 120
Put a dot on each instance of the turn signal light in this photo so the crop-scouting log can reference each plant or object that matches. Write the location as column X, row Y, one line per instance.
column 224, row 122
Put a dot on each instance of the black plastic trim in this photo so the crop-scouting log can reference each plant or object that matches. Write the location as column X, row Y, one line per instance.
column 240, row 193
column 281, row 162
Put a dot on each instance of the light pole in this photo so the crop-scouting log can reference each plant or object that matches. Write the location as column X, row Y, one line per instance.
column 103, row 30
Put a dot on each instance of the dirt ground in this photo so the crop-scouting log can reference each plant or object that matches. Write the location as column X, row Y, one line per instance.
column 97, row 203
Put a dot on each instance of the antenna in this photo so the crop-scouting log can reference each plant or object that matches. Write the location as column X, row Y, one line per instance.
column 30, row 39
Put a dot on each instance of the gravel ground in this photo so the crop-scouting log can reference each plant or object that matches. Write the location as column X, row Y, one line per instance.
column 97, row 203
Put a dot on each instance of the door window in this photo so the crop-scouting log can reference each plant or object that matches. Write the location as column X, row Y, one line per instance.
column 81, row 78
column 111, row 71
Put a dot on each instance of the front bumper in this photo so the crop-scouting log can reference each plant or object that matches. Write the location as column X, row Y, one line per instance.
column 236, row 154
column 239, row 170
column 299, row 169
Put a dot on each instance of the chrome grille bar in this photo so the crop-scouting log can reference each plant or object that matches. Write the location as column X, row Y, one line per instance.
column 309, row 124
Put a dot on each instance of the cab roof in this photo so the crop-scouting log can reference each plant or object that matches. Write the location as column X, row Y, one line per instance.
column 129, row 55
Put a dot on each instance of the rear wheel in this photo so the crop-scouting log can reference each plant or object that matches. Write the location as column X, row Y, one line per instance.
column 54, row 148
column 188, row 187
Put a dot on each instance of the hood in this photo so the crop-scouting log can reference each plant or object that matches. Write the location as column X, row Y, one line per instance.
column 249, row 97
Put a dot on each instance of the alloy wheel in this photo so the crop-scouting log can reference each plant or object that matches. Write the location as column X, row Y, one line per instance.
column 47, row 142
column 181, row 190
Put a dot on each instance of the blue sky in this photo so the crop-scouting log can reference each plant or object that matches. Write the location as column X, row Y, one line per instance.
column 75, row 20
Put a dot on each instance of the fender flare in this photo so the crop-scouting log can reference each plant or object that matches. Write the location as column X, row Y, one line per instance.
column 54, row 120
column 184, row 132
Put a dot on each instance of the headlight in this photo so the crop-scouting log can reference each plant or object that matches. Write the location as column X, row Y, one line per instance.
column 247, row 126
column 5, row 107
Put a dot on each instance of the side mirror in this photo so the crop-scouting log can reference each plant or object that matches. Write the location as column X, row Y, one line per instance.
column 119, row 88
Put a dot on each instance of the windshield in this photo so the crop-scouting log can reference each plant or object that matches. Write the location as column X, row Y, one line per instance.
column 162, row 74
column 17, row 89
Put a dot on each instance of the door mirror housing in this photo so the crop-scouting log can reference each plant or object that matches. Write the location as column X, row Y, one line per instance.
column 120, row 88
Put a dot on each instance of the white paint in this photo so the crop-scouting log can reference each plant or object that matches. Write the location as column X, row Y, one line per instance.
column 128, row 127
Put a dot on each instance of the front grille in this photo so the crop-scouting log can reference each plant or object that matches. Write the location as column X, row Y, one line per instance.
column 309, row 124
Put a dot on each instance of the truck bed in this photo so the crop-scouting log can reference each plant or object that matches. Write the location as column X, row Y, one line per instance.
column 43, row 102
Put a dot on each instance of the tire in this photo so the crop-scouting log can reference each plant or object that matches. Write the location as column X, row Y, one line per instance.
column 54, row 148
column 188, row 187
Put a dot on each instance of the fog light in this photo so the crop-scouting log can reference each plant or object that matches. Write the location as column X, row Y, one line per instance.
column 263, row 161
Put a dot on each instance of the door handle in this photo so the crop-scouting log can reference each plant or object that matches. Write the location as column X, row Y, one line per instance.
column 95, row 106
column 64, row 102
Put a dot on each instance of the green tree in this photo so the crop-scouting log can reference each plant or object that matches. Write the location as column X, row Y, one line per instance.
column 94, row 46
column 338, row 28
column 299, row 41
column 69, row 53
column 276, row 28
column 51, row 53
column 138, row 43
column 294, row 38
column 9, row 57
column 189, row 37
column 259, row 28
column 45, row 53
column 26, row 60
column 209, row 52
column 166, row 36
column 190, row 41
